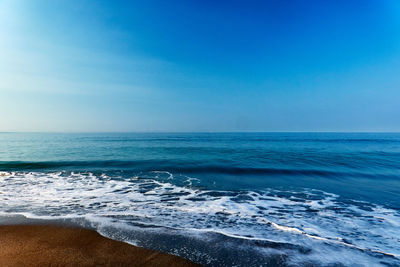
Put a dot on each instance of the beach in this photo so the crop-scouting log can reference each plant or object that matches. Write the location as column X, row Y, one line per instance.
column 227, row 199
column 51, row 245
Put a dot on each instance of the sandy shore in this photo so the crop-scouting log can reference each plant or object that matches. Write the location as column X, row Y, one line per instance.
column 44, row 245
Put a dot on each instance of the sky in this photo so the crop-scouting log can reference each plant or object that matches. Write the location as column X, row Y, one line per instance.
column 199, row 65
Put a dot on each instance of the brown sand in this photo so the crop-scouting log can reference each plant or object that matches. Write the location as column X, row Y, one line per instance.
column 44, row 245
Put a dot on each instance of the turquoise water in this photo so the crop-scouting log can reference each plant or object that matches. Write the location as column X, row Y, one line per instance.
column 275, row 199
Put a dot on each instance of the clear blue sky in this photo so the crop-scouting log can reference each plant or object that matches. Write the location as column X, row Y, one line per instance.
column 200, row 65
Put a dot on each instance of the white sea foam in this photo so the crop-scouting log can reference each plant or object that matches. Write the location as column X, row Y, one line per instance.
column 314, row 220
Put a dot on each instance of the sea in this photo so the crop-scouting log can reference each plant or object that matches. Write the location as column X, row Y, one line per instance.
column 218, row 199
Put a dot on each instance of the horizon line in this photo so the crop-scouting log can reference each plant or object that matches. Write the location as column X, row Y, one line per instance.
column 182, row 132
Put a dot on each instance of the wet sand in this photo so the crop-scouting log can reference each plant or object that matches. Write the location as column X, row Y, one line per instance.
column 46, row 245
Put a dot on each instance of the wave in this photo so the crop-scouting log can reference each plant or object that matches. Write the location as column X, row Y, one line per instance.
column 184, row 168
column 315, row 226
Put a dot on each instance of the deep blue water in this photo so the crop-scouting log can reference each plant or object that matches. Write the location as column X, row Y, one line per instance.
column 276, row 199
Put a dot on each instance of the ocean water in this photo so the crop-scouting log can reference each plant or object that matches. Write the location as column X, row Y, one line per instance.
column 221, row 199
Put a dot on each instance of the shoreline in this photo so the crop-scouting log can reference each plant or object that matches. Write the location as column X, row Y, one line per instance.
column 53, row 245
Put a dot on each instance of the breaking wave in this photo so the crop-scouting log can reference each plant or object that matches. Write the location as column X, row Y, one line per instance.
column 285, row 227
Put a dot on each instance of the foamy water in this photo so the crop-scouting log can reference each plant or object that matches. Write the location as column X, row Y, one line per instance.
column 307, row 227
